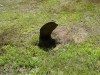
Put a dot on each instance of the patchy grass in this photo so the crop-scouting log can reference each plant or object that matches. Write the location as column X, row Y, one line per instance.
column 20, row 21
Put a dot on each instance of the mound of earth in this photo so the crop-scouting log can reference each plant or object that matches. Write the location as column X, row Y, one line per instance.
column 77, row 34
column 52, row 35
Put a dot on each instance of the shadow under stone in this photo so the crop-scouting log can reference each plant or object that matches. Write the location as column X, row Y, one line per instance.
column 45, row 40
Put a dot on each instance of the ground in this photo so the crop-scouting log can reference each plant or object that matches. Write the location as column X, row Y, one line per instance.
column 20, row 21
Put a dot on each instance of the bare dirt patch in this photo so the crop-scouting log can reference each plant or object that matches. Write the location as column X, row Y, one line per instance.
column 12, row 36
column 77, row 34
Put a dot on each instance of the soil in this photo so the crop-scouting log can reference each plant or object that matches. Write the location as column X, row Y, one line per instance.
column 77, row 34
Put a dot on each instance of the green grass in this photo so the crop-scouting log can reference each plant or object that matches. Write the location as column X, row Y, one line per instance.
column 20, row 30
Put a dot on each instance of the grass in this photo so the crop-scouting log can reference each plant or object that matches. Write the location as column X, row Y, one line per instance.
column 19, row 29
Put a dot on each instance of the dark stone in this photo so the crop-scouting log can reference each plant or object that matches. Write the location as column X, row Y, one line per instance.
column 45, row 39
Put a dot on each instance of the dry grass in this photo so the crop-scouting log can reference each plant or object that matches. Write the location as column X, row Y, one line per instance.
column 94, row 1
